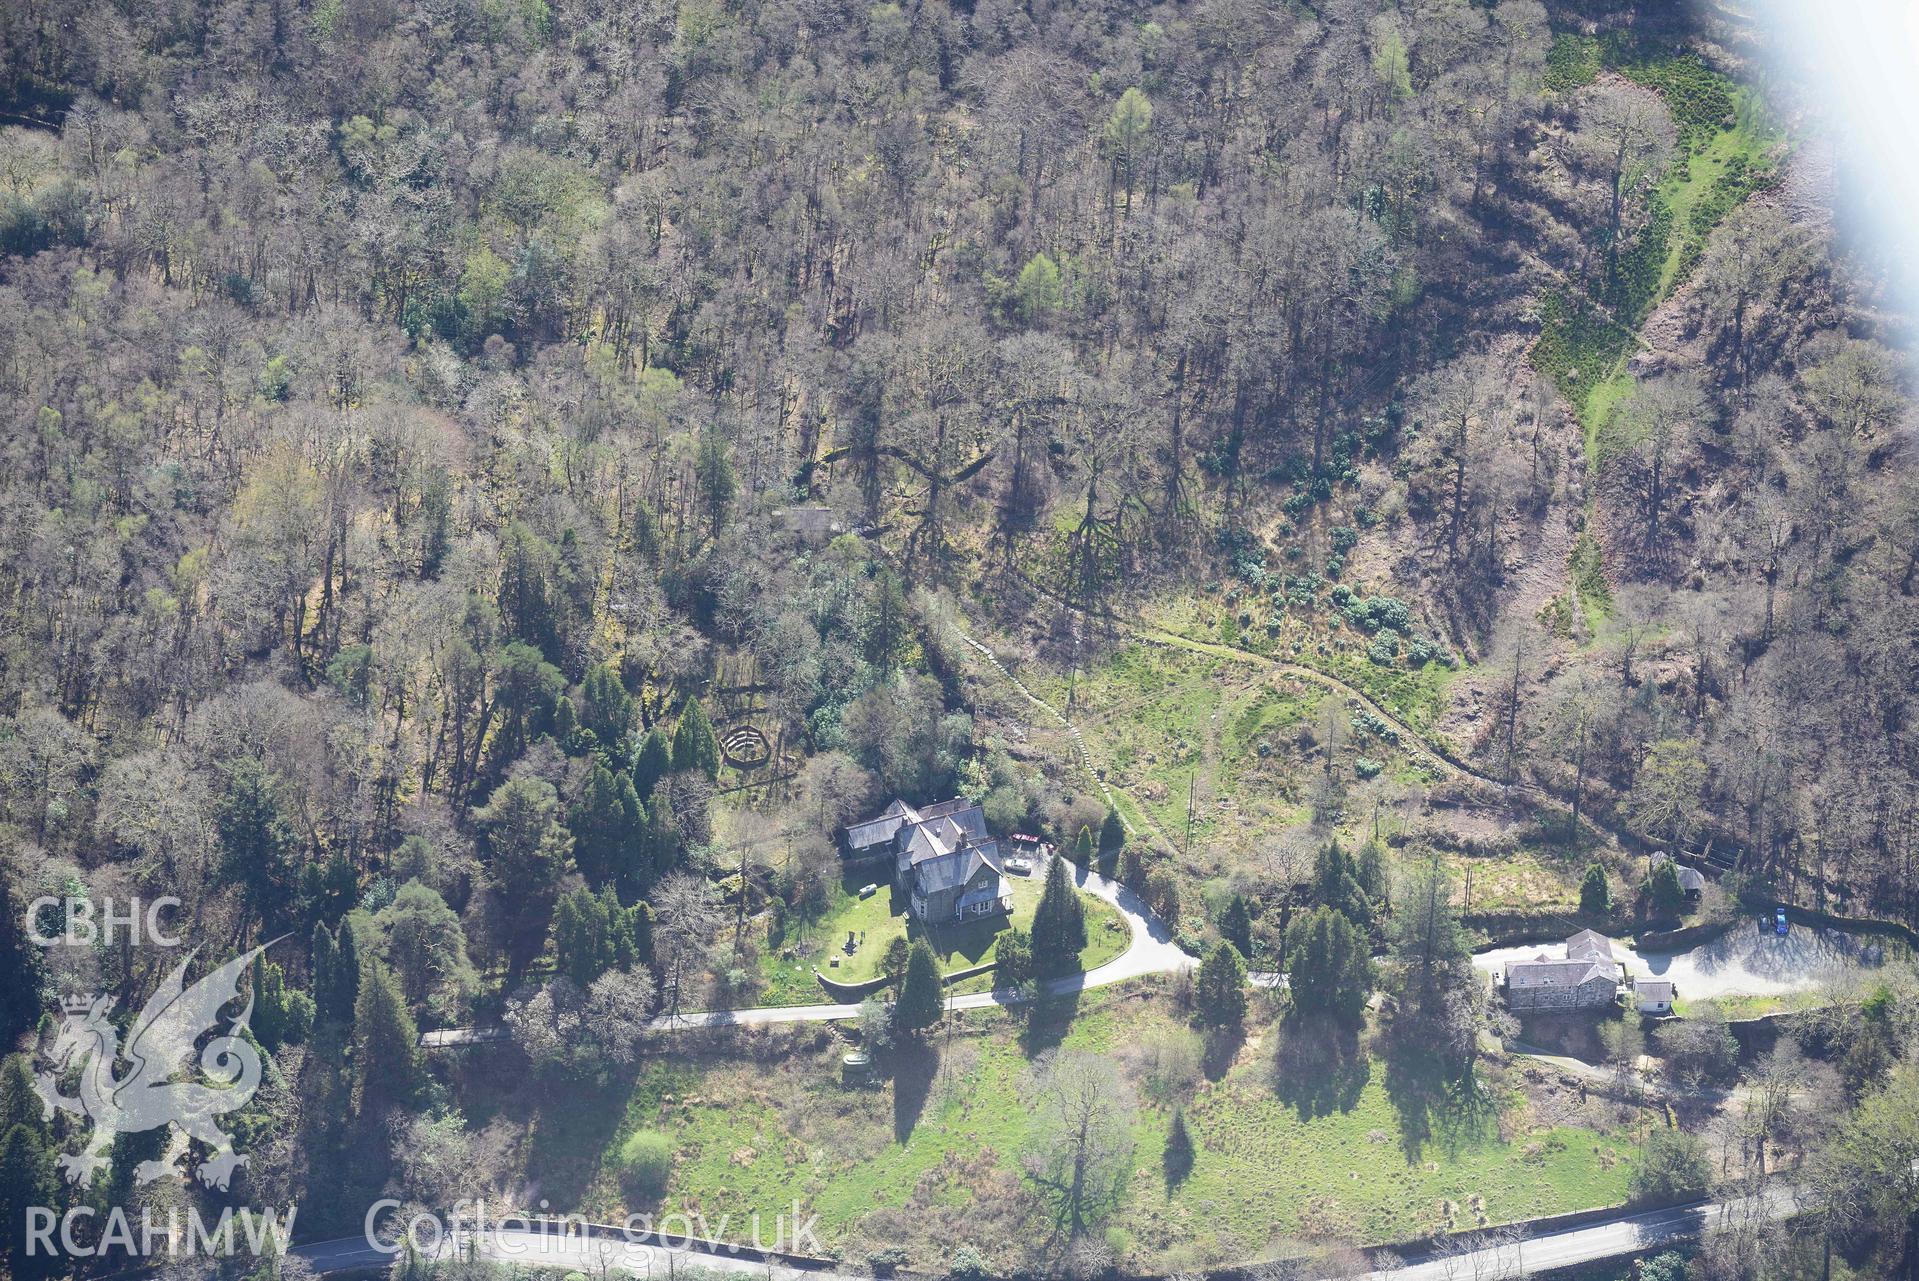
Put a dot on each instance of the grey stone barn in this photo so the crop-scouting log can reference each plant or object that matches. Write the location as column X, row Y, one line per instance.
column 1586, row 978
column 942, row 856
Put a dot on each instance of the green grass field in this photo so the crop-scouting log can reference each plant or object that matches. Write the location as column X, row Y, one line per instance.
column 936, row 1155
column 874, row 922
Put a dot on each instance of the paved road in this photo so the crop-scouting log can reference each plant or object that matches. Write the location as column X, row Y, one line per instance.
column 595, row 1256
column 1624, row 1234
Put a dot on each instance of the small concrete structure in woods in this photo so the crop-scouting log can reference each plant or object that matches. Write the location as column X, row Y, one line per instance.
column 810, row 524
column 1586, row 978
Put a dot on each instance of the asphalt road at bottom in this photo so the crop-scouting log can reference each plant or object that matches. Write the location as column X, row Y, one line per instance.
column 1612, row 1239
column 599, row 1257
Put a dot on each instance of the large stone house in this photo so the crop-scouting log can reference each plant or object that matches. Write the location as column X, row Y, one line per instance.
column 942, row 856
column 1586, row 978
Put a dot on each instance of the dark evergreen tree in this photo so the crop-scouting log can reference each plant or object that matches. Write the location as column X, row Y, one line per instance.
column 526, row 688
column 605, row 706
column 644, row 530
column 23, row 963
column 694, row 746
column 609, row 829
column 1112, row 832
column 1329, row 971
column 890, row 628
column 1236, row 924
column 1059, row 923
column 27, row 1179
column 718, row 484
column 1219, row 994
column 1664, row 894
column 281, row 1015
column 436, row 524
column 385, row 1043
column 1012, row 959
column 919, row 1005
column 528, row 851
column 20, row 1098
column 567, row 731
column 585, row 941
column 652, row 762
column 1336, row 884
column 1595, row 891
column 527, row 607
column 258, row 845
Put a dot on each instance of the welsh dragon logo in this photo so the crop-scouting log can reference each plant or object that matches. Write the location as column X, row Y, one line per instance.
column 159, row 1048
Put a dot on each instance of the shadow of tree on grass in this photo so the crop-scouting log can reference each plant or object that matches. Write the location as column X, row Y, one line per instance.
column 1048, row 1019
column 1436, row 1102
column 914, row 1063
column 1319, row 1068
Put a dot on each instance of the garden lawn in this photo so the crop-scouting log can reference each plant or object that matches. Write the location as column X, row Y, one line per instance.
column 874, row 922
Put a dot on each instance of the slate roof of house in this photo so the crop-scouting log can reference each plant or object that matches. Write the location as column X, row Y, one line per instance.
column 1653, row 989
column 932, row 839
column 1589, row 945
column 1543, row 972
column 1588, row 957
column 881, row 829
column 916, row 834
column 953, row 869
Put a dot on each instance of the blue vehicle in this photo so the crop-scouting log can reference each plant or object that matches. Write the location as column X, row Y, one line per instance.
column 1779, row 923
